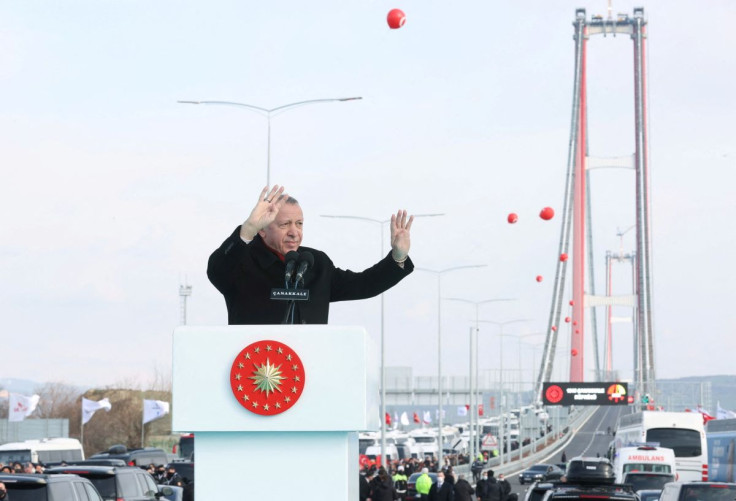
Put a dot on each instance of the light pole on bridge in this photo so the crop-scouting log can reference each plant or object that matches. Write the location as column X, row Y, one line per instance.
column 271, row 112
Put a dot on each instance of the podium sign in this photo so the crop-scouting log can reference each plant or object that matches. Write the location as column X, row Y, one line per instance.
column 320, row 387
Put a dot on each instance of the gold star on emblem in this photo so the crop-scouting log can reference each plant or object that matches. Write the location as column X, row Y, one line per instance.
column 267, row 378
column 268, row 347
column 246, row 397
column 240, row 387
column 293, row 389
column 288, row 357
column 296, row 378
column 278, row 405
column 241, row 366
column 257, row 350
column 255, row 404
column 279, row 351
column 247, row 355
column 265, row 407
column 287, row 399
column 238, row 376
column 294, row 367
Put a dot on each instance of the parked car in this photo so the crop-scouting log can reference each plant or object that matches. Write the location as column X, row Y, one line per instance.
column 35, row 487
column 700, row 491
column 134, row 457
column 411, row 485
column 118, row 483
column 540, row 473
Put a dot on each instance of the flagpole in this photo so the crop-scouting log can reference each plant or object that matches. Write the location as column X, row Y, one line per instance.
column 143, row 423
column 81, row 425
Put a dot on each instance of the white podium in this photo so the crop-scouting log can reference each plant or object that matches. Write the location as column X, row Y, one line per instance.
column 244, row 450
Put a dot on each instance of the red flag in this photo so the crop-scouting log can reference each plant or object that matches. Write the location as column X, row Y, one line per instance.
column 416, row 418
column 388, row 419
column 706, row 416
column 480, row 410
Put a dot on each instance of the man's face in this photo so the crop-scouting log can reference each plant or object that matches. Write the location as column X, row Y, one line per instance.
column 284, row 234
column 440, row 477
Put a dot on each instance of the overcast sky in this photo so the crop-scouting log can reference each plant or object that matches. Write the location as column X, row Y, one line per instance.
column 112, row 194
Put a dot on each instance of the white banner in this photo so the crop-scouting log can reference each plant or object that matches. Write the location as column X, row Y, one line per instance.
column 154, row 409
column 404, row 419
column 20, row 406
column 462, row 411
column 427, row 417
column 89, row 407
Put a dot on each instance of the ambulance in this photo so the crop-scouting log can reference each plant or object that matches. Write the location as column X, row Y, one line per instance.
column 643, row 459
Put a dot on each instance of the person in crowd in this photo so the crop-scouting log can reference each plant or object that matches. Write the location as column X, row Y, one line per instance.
column 17, row 467
column 476, row 469
column 160, row 474
column 172, row 477
column 3, row 491
column 463, row 490
column 400, row 482
column 382, row 488
column 252, row 261
column 151, row 469
column 444, row 488
column 563, row 458
column 493, row 489
column 423, row 484
column 505, row 487
column 481, row 487
column 40, row 469
column 6, row 469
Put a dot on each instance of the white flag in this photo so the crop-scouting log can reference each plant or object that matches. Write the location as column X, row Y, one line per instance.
column 427, row 417
column 154, row 409
column 20, row 406
column 89, row 407
column 404, row 419
column 462, row 410
column 724, row 413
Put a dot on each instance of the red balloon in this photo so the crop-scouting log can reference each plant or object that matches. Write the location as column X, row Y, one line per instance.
column 512, row 218
column 554, row 328
column 567, row 319
column 539, row 278
column 396, row 19
column 572, row 303
column 547, row 213
column 574, row 352
column 563, row 257
column 575, row 322
column 577, row 331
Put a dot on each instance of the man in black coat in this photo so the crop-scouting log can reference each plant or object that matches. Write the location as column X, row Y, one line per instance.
column 251, row 262
column 463, row 490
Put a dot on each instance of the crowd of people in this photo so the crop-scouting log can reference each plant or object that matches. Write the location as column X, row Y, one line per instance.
column 378, row 484
column 18, row 467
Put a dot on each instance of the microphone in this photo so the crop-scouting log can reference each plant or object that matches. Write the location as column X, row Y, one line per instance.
column 306, row 260
column 291, row 259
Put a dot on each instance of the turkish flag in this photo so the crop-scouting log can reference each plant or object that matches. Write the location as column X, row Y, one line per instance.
column 480, row 410
column 388, row 419
column 416, row 418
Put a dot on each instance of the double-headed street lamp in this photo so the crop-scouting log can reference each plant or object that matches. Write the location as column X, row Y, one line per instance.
column 381, row 223
column 439, row 274
column 474, row 390
column 500, row 357
column 271, row 112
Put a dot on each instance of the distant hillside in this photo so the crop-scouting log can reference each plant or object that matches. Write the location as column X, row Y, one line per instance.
column 689, row 392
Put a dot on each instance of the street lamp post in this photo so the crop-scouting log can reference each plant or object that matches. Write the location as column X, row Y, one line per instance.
column 502, row 421
column 381, row 223
column 474, row 434
column 439, row 274
column 271, row 112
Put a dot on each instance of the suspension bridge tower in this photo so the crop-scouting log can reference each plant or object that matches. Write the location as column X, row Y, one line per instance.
column 576, row 229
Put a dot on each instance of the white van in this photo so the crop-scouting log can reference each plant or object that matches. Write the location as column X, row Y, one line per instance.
column 45, row 451
column 643, row 459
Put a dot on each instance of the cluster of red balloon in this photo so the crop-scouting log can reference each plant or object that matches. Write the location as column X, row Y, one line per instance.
column 547, row 213
column 396, row 19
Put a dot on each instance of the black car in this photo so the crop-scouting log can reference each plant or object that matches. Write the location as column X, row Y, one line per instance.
column 589, row 491
column 540, row 473
column 35, row 487
column 118, row 483
column 134, row 457
column 640, row 481
column 698, row 491
column 411, row 485
column 537, row 490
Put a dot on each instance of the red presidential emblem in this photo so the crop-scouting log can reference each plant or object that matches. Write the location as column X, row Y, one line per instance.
column 554, row 394
column 267, row 377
